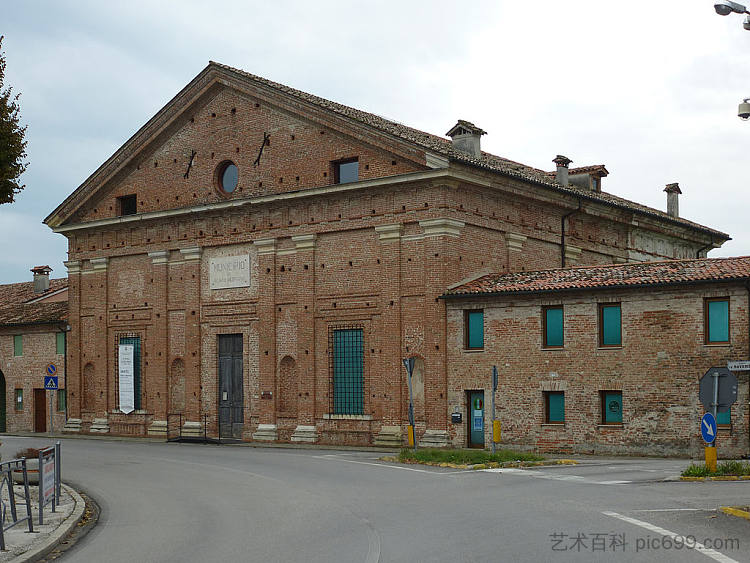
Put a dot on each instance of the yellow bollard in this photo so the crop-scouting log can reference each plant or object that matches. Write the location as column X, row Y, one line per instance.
column 411, row 436
column 711, row 458
column 496, row 431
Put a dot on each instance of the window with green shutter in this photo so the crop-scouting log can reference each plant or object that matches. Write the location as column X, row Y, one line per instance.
column 474, row 330
column 553, row 327
column 554, row 406
column 717, row 321
column 18, row 345
column 724, row 418
column 61, row 400
column 611, row 407
column 60, row 342
column 610, row 326
column 348, row 371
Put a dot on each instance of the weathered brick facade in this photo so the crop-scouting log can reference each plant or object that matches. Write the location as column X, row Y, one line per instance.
column 662, row 356
column 373, row 255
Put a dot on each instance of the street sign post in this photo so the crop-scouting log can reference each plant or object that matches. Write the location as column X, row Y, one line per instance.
column 409, row 365
column 50, row 383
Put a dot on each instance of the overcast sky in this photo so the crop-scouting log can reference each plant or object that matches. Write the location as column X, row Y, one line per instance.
column 649, row 88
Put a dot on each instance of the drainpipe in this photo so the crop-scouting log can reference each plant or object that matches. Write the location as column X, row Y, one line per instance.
column 698, row 254
column 562, row 232
column 747, row 287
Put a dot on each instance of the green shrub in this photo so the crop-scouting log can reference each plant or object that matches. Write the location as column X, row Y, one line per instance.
column 696, row 470
column 733, row 468
column 467, row 457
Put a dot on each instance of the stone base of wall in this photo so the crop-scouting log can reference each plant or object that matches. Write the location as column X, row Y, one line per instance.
column 158, row 428
column 72, row 425
column 434, row 439
column 192, row 429
column 390, row 436
column 266, row 433
column 99, row 426
column 305, row 434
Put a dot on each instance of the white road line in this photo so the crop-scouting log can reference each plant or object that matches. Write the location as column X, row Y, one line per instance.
column 329, row 456
column 553, row 477
column 673, row 510
column 712, row 553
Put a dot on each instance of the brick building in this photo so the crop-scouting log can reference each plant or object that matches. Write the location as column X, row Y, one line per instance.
column 33, row 321
column 602, row 359
column 259, row 260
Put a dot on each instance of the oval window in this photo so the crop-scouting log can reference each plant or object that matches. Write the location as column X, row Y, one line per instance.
column 228, row 177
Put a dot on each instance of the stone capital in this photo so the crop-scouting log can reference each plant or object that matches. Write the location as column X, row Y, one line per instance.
column 515, row 241
column 441, row 227
column 99, row 264
column 265, row 246
column 159, row 256
column 304, row 242
column 73, row 266
column 572, row 254
column 388, row 233
column 190, row 254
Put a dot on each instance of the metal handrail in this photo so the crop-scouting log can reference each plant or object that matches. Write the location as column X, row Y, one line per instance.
column 6, row 470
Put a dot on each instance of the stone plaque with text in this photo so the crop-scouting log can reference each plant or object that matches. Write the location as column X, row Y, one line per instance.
column 229, row 271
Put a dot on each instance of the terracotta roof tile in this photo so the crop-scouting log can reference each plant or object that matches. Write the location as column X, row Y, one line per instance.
column 15, row 308
column 668, row 272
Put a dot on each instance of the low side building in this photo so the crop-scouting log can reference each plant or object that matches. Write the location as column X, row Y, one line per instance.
column 601, row 359
column 33, row 323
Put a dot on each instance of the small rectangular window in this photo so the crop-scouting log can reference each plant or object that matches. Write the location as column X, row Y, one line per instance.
column 348, row 371
column 610, row 325
column 127, row 204
column 552, row 331
column 19, row 399
column 474, row 330
column 61, row 399
column 717, row 320
column 724, row 418
column 554, row 407
column 611, row 407
column 345, row 171
column 60, row 342
column 18, row 345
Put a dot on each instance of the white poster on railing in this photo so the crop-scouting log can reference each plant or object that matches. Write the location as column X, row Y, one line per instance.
column 48, row 478
column 127, row 387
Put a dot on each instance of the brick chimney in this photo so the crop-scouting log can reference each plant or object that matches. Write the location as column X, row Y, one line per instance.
column 466, row 138
column 561, row 176
column 673, row 199
column 41, row 278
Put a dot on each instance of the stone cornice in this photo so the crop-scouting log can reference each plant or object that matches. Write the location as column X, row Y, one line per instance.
column 515, row 241
column 442, row 227
column 388, row 233
column 304, row 242
column 265, row 246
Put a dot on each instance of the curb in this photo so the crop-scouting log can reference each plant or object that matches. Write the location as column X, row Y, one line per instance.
column 488, row 465
column 734, row 511
column 54, row 539
column 717, row 478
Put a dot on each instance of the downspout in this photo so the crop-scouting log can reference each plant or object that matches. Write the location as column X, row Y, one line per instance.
column 698, row 253
column 747, row 407
column 562, row 232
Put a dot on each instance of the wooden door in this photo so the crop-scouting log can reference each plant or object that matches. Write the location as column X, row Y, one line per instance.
column 231, row 393
column 40, row 410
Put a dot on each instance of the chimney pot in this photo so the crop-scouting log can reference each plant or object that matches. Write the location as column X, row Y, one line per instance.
column 466, row 138
column 561, row 176
column 41, row 278
column 673, row 199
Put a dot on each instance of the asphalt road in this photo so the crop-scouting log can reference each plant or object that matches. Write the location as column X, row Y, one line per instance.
column 181, row 503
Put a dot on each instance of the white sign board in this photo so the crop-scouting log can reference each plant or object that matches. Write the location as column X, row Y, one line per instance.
column 127, row 383
column 48, row 478
column 743, row 365
column 229, row 271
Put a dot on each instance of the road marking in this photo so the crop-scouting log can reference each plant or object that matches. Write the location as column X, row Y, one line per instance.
column 337, row 458
column 673, row 510
column 553, row 477
column 712, row 553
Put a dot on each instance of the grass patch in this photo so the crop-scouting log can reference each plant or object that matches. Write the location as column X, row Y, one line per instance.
column 724, row 468
column 464, row 457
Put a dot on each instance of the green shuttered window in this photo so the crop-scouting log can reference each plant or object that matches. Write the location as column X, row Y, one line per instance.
column 611, row 407
column 554, row 407
column 18, row 345
column 61, row 399
column 348, row 371
column 553, row 327
column 474, row 330
column 610, row 327
column 60, row 342
column 724, row 418
column 136, row 342
column 717, row 320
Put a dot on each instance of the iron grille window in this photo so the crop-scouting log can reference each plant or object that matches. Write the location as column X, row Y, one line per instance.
column 135, row 341
column 346, row 352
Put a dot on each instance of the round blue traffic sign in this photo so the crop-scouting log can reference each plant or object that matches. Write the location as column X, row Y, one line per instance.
column 708, row 428
column 51, row 369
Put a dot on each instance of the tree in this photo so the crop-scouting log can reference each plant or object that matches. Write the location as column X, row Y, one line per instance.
column 12, row 143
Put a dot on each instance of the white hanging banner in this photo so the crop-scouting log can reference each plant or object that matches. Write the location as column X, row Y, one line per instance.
column 127, row 383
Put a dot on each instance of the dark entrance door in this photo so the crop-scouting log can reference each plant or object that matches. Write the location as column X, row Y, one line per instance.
column 475, row 418
column 231, row 417
column 40, row 410
column 2, row 403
